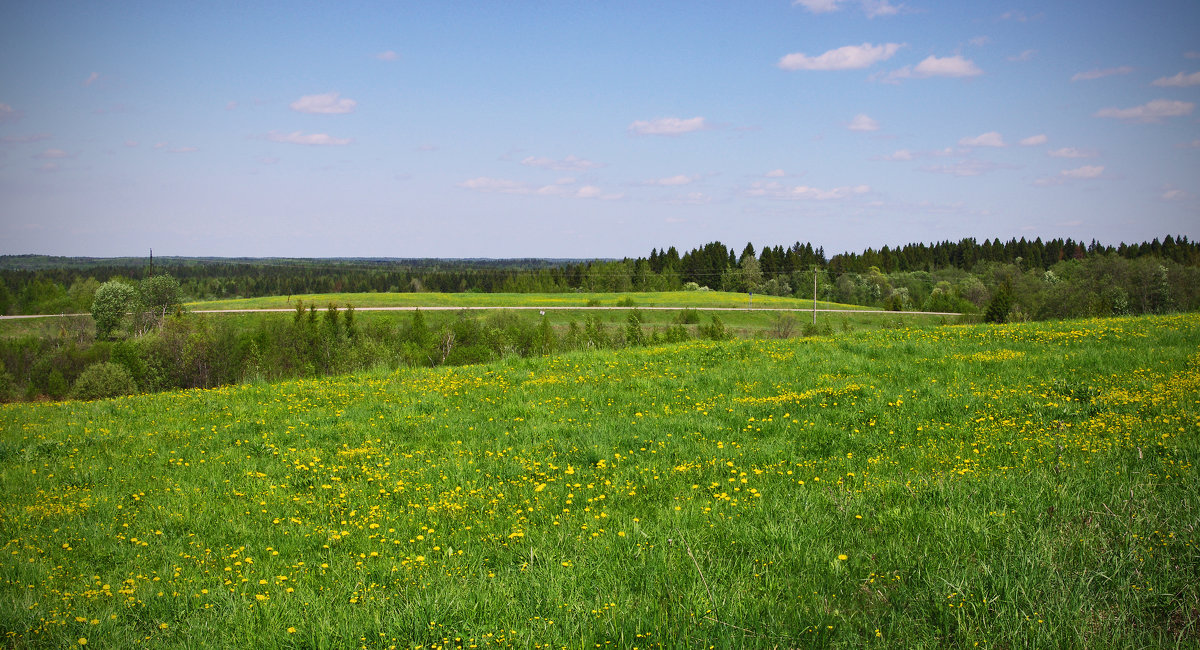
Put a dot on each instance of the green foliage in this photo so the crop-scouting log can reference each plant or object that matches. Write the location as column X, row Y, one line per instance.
column 102, row 380
column 633, row 329
column 999, row 306
column 112, row 300
column 715, row 330
column 688, row 316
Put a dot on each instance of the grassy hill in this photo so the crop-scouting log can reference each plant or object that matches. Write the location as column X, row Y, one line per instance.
column 1013, row 485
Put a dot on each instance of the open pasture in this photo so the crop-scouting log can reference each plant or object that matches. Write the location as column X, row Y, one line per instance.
column 680, row 299
column 1013, row 485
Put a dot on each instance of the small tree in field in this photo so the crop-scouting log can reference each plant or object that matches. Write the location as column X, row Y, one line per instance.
column 112, row 300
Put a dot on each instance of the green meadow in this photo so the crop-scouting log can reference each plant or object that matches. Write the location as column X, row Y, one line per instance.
column 680, row 299
column 1022, row 485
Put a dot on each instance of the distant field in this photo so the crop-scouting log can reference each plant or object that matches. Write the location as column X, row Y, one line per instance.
column 1025, row 485
column 694, row 299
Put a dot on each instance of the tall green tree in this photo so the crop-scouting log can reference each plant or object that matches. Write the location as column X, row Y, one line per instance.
column 112, row 300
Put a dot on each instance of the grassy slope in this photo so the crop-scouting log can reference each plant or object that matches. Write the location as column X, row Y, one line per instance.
column 640, row 299
column 1024, row 484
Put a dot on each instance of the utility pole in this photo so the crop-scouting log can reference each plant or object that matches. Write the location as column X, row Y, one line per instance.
column 151, row 274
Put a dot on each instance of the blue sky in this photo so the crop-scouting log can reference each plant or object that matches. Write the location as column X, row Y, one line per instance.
column 564, row 129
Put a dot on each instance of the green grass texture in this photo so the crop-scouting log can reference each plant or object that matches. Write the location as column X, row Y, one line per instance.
column 1027, row 485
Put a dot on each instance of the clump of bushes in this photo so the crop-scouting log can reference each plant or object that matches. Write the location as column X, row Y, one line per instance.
column 104, row 379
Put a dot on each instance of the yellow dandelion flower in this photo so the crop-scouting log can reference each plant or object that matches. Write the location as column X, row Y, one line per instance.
column 843, row 557
column 82, row 641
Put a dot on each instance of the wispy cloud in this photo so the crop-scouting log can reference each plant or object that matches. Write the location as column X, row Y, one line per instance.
column 1171, row 193
column 862, row 122
column 325, row 104
column 52, row 154
column 1154, row 111
column 565, row 188
column 899, row 154
column 1181, row 80
column 989, row 139
column 671, row 181
column 1026, row 55
column 1100, row 73
column 1034, row 140
column 1071, row 152
column 9, row 114
column 668, row 126
column 387, row 55
column 968, row 167
column 777, row 190
column 850, row 57
column 570, row 163
column 1086, row 172
column 297, row 137
column 932, row 66
column 21, row 139
column 91, row 79
column 872, row 8
column 775, row 173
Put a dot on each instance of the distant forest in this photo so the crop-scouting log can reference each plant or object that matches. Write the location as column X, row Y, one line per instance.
column 1038, row 279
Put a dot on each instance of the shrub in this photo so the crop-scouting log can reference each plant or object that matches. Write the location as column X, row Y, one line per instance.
column 112, row 300
column 101, row 380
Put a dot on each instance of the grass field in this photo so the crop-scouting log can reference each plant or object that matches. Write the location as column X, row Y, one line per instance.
column 694, row 299
column 1019, row 485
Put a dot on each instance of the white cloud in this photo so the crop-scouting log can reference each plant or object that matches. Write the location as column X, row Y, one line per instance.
column 850, row 57
column 22, row 139
column 1182, row 80
column 874, row 8
column 296, row 137
column 963, row 168
column 326, row 104
column 1018, row 16
column 1034, row 140
column 8, row 114
column 1194, row 144
column 980, row 41
column 776, row 173
column 1087, row 171
column 183, row 149
column 667, row 126
column 48, row 167
column 871, row 8
column 1026, row 55
column 989, row 139
column 818, row 6
column 1174, row 194
column 387, row 55
column 231, row 105
column 1153, row 111
column 488, row 184
column 563, row 188
column 1099, row 73
column 1071, row 152
column 948, row 66
column 863, row 123
column 899, row 154
column 1191, row 55
column 570, row 163
column 91, row 79
column 1079, row 173
column 51, row 154
column 131, row 143
column 678, row 179
column 776, row 190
